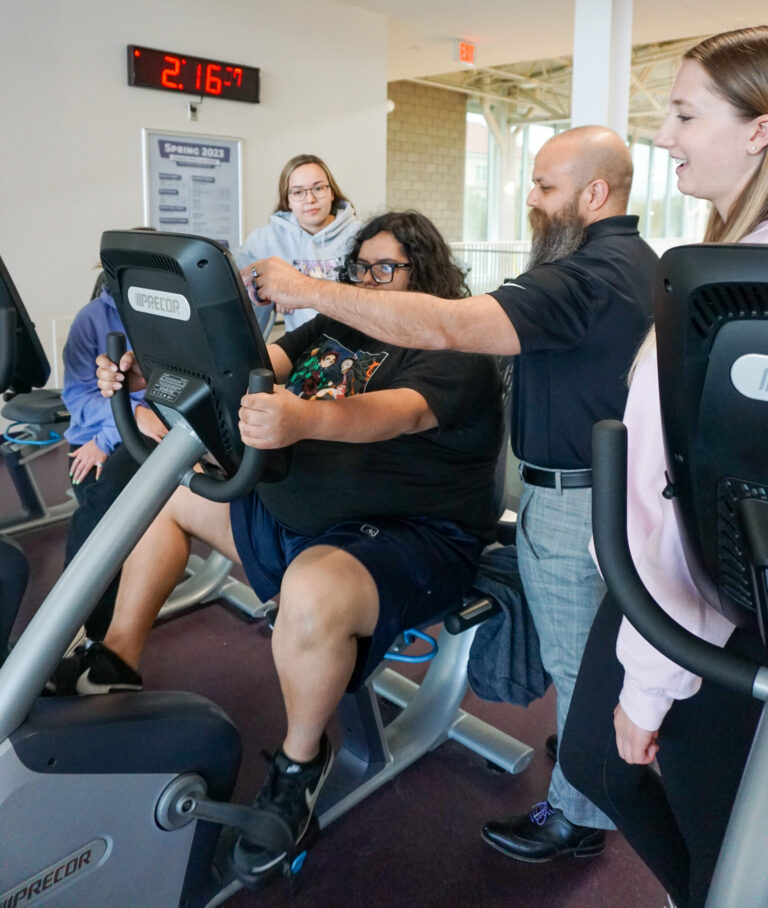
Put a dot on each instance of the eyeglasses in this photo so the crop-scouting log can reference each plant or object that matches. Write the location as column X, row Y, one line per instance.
column 381, row 272
column 319, row 191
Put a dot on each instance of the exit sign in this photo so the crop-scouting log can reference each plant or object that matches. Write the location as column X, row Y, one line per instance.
column 465, row 52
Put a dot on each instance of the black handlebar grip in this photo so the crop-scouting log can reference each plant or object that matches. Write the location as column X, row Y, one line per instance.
column 609, row 526
column 122, row 408
column 116, row 346
column 260, row 380
column 254, row 460
column 474, row 613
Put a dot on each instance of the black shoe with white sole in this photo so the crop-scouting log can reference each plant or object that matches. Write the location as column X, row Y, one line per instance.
column 290, row 794
column 93, row 669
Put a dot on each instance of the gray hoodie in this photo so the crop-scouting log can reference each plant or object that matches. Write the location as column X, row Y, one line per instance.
column 320, row 255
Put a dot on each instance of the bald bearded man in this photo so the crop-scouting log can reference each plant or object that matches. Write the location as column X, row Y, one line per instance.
column 574, row 319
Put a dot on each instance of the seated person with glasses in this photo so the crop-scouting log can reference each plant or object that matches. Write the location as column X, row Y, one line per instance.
column 377, row 527
column 311, row 228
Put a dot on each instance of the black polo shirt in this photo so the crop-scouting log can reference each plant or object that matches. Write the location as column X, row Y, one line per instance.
column 580, row 321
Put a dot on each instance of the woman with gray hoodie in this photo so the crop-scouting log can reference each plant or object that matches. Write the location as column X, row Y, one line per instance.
column 312, row 227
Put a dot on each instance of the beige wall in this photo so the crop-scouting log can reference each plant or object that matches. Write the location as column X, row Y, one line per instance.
column 71, row 150
column 425, row 154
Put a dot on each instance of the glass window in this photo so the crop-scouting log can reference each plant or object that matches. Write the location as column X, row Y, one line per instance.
column 476, row 179
column 663, row 212
column 657, row 195
column 641, row 154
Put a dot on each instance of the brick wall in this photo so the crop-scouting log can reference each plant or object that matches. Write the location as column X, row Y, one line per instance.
column 425, row 154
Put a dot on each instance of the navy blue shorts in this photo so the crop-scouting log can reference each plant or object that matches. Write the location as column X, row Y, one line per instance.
column 422, row 568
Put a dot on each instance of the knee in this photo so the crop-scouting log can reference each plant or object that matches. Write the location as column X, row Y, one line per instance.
column 311, row 609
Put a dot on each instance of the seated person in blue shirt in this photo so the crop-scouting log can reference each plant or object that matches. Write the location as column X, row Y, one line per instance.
column 100, row 467
column 377, row 527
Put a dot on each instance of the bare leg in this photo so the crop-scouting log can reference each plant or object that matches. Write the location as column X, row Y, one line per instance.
column 327, row 600
column 157, row 563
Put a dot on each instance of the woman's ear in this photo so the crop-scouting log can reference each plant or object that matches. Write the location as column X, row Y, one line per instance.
column 758, row 140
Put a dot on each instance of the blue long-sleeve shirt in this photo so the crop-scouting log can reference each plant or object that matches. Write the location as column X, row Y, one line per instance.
column 90, row 413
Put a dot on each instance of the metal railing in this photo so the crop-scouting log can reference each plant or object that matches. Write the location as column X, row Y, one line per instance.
column 490, row 264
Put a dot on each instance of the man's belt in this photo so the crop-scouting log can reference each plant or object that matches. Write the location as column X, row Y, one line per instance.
column 556, row 479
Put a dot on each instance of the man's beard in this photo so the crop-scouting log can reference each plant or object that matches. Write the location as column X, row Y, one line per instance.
column 555, row 237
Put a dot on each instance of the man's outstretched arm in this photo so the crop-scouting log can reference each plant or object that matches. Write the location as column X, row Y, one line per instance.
column 416, row 320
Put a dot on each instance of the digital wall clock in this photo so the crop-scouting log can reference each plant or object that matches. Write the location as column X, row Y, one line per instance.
column 167, row 71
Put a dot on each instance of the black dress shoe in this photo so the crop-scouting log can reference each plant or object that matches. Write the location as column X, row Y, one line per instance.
column 543, row 834
column 550, row 748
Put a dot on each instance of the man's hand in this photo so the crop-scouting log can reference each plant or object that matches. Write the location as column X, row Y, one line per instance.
column 84, row 459
column 110, row 378
column 274, row 420
column 149, row 423
column 635, row 744
column 275, row 281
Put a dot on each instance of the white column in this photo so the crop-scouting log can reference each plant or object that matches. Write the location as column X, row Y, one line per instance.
column 602, row 56
column 498, row 150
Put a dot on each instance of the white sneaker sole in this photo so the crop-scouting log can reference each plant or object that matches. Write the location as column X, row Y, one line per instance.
column 311, row 800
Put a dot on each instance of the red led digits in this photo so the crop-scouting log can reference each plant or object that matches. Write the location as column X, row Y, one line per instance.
column 212, row 82
column 173, row 69
column 151, row 68
column 234, row 76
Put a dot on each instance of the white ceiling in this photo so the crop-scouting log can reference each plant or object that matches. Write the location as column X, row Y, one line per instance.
column 422, row 33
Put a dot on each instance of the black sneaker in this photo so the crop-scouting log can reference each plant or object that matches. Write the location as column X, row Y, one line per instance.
column 93, row 669
column 290, row 792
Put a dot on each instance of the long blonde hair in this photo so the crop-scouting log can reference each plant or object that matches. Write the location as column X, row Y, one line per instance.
column 737, row 64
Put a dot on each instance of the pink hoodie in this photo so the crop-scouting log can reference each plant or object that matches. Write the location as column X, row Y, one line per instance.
column 651, row 681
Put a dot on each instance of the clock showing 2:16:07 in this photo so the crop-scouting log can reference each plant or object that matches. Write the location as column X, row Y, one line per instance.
column 168, row 71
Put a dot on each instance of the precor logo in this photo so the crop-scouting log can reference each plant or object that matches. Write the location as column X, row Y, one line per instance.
column 73, row 866
column 749, row 375
column 159, row 302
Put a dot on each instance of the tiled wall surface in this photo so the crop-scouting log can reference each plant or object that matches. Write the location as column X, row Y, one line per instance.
column 425, row 154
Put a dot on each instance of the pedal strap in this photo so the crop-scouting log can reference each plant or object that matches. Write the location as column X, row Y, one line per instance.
column 268, row 830
column 259, row 827
column 264, row 831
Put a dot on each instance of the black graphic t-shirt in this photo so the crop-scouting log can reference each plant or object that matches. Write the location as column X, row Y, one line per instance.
column 331, row 370
column 444, row 473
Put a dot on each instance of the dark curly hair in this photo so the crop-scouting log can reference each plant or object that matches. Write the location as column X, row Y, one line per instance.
column 433, row 269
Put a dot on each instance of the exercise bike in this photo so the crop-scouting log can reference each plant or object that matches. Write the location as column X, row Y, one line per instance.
column 120, row 799
column 712, row 331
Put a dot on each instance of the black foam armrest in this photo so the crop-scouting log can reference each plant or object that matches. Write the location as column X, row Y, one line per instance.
column 473, row 612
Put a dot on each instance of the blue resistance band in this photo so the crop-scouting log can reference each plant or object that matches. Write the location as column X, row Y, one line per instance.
column 409, row 637
column 18, row 440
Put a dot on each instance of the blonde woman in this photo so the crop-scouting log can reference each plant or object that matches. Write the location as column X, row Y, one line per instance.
column 632, row 705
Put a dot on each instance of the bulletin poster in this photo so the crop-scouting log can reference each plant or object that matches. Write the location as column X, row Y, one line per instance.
column 193, row 184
